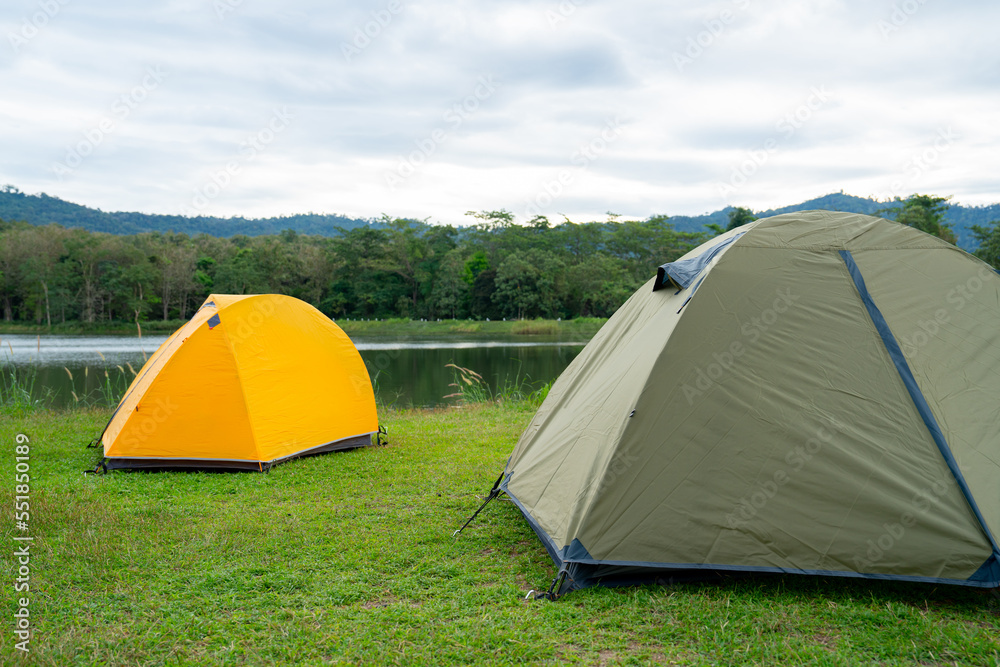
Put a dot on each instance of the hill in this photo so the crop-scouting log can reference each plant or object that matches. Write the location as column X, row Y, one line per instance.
column 961, row 218
column 42, row 209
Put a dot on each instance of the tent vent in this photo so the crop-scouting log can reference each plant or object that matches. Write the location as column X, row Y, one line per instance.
column 683, row 272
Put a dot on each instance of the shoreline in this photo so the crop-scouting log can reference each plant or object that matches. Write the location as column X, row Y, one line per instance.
column 584, row 326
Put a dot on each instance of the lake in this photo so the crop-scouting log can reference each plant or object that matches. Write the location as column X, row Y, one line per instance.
column 405, row 371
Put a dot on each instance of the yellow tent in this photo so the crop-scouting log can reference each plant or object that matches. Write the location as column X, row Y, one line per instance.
column 250, row 381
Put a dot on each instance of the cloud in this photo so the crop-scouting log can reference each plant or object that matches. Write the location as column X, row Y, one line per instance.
column 699, row 90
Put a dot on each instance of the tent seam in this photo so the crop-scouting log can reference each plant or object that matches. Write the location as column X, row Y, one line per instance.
column 243, row 394
column 916, row 394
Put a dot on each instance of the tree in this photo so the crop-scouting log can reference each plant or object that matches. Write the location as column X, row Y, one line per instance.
column 314, row 265
column 204, row 270
column 177, row 263
column 527, row 284
column 85, row 253
column 497, row 236
column 989, row 243
column 406, row 255
column 494, row 220
column 648, row 244
column 740, row 216
column 390, row 268
column 124, row 280
column 481, row 303
column 241, row 274
column 44, row 246
column 450, row 293
column 517, row 291
column 923, row 212
column 600, row 285
column 581, row 240
column 13, row 254
column 475, row 265
column 360, row 287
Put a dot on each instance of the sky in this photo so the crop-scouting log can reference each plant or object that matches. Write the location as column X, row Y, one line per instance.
column 430, row 109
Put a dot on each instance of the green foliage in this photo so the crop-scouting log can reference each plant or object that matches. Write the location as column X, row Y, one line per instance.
column 740, row 216
column 923, row 212
column 474, row 265
column 494, row 220
column 451, row 286
column 989, row 243
column 18, row 395
column 538, row 396
column 469, row 387
column 51, row 276
column 526, row 284
column 538, row 327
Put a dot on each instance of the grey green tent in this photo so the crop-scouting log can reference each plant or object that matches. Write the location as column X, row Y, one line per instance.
column 811, row 393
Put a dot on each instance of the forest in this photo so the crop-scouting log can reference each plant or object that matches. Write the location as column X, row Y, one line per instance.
column 399, row 268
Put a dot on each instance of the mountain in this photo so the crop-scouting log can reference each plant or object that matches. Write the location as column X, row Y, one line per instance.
column 42, row 209
column 961, row 218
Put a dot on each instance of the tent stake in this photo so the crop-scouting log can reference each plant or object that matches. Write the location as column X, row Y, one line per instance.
column 494, row 492
column 553, row 592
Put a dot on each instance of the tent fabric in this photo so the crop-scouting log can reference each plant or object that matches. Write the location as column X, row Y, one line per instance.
column 926, row 414
column 823, row 404
column 249, row 381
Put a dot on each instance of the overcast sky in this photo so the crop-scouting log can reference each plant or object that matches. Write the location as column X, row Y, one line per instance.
column 429, row 108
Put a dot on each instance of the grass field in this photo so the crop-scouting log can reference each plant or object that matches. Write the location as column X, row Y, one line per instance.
column 349, row 558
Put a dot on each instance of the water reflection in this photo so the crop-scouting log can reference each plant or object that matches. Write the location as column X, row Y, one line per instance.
column 405, row 371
